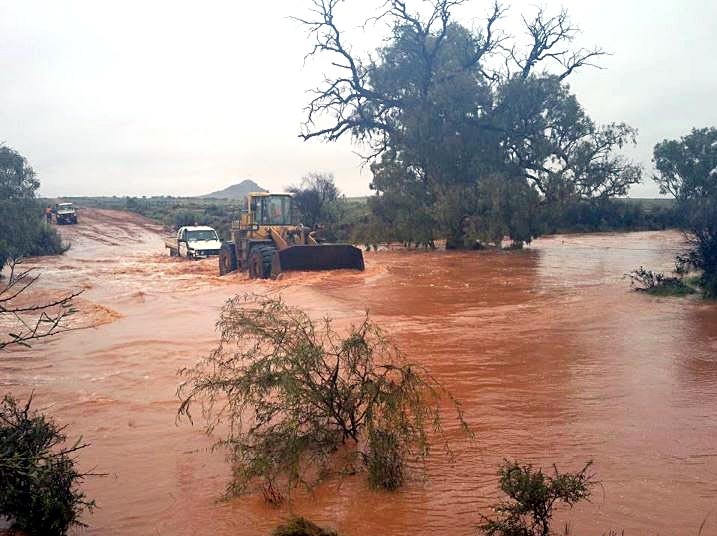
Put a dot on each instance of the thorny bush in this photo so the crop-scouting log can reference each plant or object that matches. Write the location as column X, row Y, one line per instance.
column 294, row 393
column 533, row 496
column 643, row 280
column 38, row 491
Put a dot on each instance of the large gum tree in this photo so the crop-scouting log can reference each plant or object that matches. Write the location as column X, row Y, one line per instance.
column 469, row 133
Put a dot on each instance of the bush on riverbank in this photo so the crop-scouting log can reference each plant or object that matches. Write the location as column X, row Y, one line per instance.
column 23, row 231
column 38, row 491
column 687, row 169
column 658, row 284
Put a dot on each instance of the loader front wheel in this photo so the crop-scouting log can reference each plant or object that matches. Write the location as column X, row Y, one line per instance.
column 227, row 259
column 260, row 262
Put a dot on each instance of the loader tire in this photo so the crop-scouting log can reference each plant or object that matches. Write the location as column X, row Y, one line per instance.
column 260, row 262
column 227, row 259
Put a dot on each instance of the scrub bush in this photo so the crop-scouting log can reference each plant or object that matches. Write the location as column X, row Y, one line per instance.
column 39, row 492
column 533, row 496
column 300, row 526
column 293, row 392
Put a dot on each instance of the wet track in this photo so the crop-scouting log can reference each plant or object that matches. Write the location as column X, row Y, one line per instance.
column 552, row 357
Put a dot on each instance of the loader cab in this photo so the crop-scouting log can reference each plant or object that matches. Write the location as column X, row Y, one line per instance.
column 270, row 209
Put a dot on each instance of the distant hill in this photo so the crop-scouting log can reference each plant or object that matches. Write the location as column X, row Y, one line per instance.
column 235, row 191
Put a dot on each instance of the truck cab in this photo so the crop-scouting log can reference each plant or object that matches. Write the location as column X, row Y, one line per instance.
column 64, row 213
column 198, row 242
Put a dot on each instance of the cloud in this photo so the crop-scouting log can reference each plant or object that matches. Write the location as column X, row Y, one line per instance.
column 183, row 97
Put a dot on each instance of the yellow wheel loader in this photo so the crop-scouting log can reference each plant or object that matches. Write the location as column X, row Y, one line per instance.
column 265, row 242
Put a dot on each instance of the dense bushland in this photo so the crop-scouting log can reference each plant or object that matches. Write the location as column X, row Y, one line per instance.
column 23, row 230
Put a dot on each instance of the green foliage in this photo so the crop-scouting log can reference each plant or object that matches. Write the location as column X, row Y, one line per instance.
column 658, row 284
column 185, row 217
column 384, row 460
column 300, row 526
column 39, row 493
column 470, row 134
column 610, row 215
column 17, row 178
column 177, row 212
column 292, row 392
column 24, row 231
column 687, row 169
column 532, row 497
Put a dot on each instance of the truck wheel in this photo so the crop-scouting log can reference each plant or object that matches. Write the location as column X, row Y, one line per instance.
column 227, row 259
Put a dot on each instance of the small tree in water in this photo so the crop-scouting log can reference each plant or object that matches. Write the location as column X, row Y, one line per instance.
column 294, row 392
column 533, row 495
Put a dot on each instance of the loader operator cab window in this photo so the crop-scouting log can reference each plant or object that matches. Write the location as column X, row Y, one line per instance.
column 272, row 210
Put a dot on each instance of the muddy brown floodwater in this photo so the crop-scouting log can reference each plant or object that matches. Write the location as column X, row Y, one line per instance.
column 552, row 356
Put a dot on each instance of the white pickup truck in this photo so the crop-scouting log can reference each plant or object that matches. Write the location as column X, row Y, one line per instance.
column 194, row 242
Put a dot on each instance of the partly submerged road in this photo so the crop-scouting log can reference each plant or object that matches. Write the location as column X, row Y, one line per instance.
column 552, row 356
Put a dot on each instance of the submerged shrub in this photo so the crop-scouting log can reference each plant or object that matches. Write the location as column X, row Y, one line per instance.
column 532, row 497
column 293, row 392
column 300, row 526
column 384, row 460
column 658, row 284
column 39, row 482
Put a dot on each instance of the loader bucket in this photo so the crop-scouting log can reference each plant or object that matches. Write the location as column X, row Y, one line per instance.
column 321, row 257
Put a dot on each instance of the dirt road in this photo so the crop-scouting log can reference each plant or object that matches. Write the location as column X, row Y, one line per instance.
column 552, row 356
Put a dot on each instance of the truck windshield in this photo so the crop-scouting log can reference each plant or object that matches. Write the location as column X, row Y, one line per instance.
column 196, row 236
column 273, row 210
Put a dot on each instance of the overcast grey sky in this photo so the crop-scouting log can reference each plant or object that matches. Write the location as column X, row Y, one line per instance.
column 182, row 98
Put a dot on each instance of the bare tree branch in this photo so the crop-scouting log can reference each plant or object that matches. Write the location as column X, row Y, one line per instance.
column 30, row 322
column 548, row 33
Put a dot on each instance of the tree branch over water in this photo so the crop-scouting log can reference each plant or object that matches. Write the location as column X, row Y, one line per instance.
column 25, row 321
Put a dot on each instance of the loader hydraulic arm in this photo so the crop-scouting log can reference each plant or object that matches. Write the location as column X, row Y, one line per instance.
column 278, row 238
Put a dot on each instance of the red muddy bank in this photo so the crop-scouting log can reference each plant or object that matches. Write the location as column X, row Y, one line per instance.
column 552, row 356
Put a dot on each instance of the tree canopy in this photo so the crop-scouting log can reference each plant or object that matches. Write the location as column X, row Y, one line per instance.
column 687, row 169
column 22, row 230
column 461, row 125
column 17, row 178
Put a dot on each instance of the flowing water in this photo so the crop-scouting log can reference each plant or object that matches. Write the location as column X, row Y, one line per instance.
column 553, row 358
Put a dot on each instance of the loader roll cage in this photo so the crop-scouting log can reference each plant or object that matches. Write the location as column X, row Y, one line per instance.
column 271, row 210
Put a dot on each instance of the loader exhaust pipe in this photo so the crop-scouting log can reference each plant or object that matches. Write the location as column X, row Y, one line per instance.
column 320, row 257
